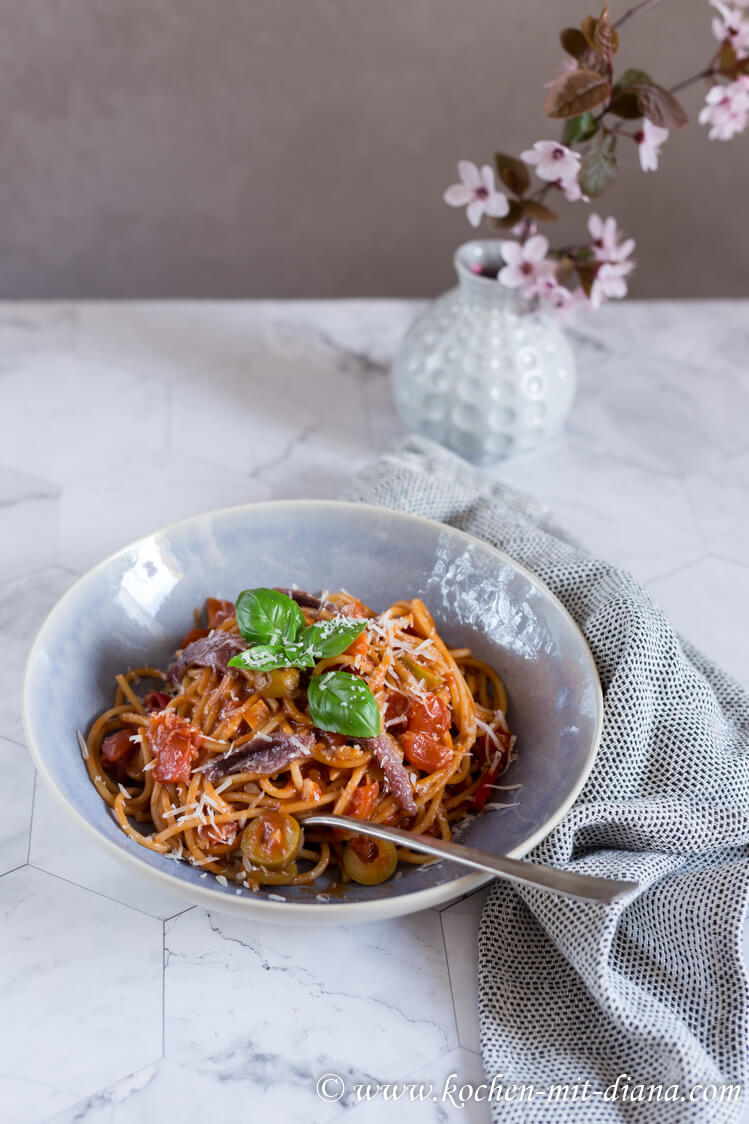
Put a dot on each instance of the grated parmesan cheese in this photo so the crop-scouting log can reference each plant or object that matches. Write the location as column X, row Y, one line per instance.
column 82, row 743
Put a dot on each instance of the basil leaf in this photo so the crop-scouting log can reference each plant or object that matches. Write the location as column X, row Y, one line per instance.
column 268, row 657
column 344, row 704
column 265, row 616
column 329, row 638
column 263, row 657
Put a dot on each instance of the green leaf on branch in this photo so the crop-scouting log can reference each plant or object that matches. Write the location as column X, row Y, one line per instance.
column 587, row 271
column 574, row 42
column 629, row 77
column 520, row 209
column 579, row 129
column 727, row 60
column 588, row 28
column 512, row 172
column 538, row 212
column 659, row 105
column 565, row 270
column 598, row 167
column 574, row 93
column 605, row 37
column 626, row 104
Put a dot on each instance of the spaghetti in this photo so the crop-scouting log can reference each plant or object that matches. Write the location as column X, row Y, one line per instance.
column 220, row 764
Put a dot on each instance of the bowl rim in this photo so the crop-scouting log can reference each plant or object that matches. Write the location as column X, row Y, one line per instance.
column 249, row 905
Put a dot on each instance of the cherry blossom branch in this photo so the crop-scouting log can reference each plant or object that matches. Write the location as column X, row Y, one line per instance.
column 709, row 73
column 635, row 10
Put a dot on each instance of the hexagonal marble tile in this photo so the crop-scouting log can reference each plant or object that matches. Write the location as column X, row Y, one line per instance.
column 33, row 330
column 715, row 500
column 617, row 509
column 16, row 801
column 371, row 1002
column 460, row 925
column 89, row 971
column 153, row 492
column 28, row 520
column 24, row 603
column 264, row 411
column 134, row 405
column 701, row 602
column 450, row 1088
column 60, row 846
column 166, row 1092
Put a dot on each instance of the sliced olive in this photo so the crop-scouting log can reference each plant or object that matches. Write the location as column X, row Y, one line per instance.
column 369, row 861
column 273, row 840
column 281, row 683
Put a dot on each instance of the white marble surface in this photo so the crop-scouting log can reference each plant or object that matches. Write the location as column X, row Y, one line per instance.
column 120, row 1004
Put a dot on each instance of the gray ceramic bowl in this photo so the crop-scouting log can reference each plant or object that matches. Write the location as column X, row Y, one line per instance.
column 133, row 607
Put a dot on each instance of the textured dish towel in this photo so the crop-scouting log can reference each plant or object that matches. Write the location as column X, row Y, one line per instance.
column 653, row 987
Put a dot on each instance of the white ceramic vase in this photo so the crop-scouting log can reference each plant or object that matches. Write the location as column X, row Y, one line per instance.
column 481, row 373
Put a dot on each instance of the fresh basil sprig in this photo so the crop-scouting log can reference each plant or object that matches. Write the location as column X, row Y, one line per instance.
column 329, row 638
column 344, row 704
column 265, row 616
column 271, row 621
column 268, row 657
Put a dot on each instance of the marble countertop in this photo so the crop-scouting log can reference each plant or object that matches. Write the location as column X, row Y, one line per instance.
column 123, row 1004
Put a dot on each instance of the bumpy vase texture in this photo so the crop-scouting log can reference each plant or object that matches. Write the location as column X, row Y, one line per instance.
column 480, row 373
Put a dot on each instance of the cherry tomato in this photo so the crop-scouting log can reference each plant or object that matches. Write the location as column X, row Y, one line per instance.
column 355, row 608
column 118, row 747
column 363, row 801
column 369, row 861
column 221, row 834
column 424, row 752
column 429, row 716
column 358, row 648
column 272, row 840
column 193, row 635
column 155, row 700
column 396, row 710
column 217, row 612
column 175, row 743
column 484, row 790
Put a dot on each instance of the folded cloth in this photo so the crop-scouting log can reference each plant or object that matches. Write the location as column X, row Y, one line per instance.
column 646, row 1000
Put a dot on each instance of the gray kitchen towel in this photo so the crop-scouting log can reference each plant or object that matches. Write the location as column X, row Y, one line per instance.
column 645, row 1000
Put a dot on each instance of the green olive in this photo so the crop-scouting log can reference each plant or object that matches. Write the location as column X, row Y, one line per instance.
column 281, row 683
column 369, row 861
column 272, row 840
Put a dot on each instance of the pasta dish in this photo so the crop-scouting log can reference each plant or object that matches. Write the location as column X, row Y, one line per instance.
column 288, row 703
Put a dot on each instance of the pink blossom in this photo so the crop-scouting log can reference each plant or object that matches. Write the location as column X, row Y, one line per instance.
column 556, row 164
column 726, row 109
column 649, row 140
column 526, row 265
column 478, row 191
column 609, row 282
column 605, row 240
column 551, row 293
column 565, row 308
column 731, row 25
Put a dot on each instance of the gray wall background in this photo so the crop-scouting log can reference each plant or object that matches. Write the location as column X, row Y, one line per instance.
column 288, row 148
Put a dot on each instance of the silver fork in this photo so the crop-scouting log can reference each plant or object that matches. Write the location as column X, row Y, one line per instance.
column 585, row 887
